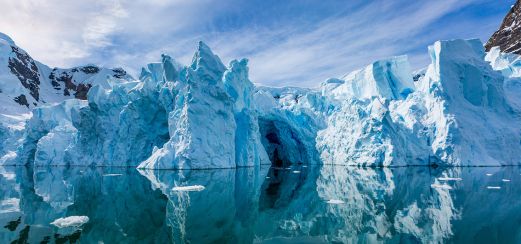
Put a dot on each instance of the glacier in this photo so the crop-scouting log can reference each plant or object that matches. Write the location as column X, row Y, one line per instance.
column 461, row 110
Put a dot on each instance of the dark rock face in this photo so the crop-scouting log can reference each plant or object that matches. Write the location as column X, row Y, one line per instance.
column 73, row 82
column 119, row 73
column 508, row 37
column 22, row 100
column 81, row 91
column 417, row 77
column 70, row 85
column 25, row 69
column 90, row 69
column 67, row 79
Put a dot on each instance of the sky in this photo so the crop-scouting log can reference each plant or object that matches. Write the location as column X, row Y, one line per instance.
column 288, row 43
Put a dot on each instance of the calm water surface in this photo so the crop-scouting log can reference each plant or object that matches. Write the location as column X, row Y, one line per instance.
column 315, row 204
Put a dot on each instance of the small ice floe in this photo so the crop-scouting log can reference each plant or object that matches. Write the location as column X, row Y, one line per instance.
column 296, row 172
column 267, row 177
column 449, row 179
column 505, row 180
column 188, row 188
column 489, row 174
column 494, row 187
column 110, row 175
column 304, row 166
column 446, row 187
column 335, row 201
column 71, row 221
column 288, row 168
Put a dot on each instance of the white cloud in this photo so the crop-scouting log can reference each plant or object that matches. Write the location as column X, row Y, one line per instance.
column 102, row 24
column 334, row 46
column 59, row 32
column 297, row 52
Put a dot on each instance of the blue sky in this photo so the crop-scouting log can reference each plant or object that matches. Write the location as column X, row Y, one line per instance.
column 297, row 43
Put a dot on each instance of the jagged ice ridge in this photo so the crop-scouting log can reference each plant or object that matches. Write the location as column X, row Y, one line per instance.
column 461, row 110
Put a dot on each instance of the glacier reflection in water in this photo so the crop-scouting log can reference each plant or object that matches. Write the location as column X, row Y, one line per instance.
column 312, row 204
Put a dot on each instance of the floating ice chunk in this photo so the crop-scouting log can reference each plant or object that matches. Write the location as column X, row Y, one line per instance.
column 71, row 221
column 505, row 180
column 188, row 188
column 109, row 175
column 335, row 201
column 494, row 187
column 296, row 172
column 267, row 177
column 446, row 187
column 305, row 166
column 449, row 179
column 489, row 174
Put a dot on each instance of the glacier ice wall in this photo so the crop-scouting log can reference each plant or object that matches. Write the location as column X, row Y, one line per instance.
column 289, row 119
column 213, row 123
column 458, row 114
column 370, row 129
column 471, row 120
column 460, row 110
column 200, row 116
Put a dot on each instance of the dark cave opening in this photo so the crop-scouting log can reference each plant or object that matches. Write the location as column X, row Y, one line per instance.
column 273, row 141
column 282, row 143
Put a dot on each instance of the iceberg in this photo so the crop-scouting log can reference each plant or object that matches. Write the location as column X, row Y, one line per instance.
column 71, row 221
column 458, row 114
column 335, row 201
column 449, row 179
column 461, row 110
column 188, row 188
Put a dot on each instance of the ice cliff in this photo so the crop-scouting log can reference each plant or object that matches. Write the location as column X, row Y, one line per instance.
column 456, row 114
column 460, row 110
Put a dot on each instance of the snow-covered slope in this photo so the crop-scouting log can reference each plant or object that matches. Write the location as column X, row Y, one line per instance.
column 462, row 109
column 29, row 83
column 26, row 84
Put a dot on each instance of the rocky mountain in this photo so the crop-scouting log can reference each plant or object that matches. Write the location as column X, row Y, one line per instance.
column 508, row 37
column 26, row 83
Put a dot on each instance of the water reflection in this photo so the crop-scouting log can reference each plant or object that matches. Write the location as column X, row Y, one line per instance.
column 270, row 205
column 120, row 208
